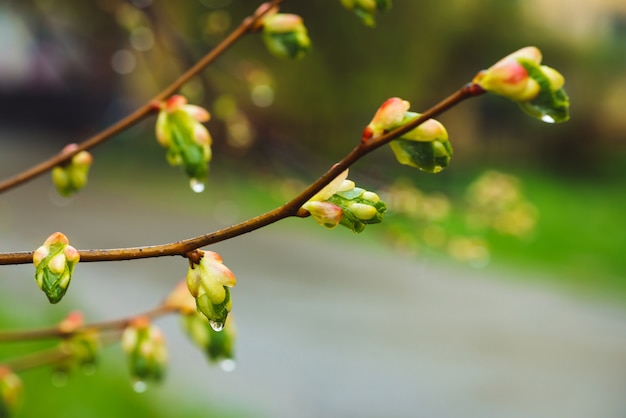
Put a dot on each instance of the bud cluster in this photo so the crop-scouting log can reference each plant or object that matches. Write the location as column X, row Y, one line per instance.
column 188, row 142
column 144, row 344
column 209, row 282
column 366, row 9
column 54, row 262
column 342, row 203
column 71, row 177
column 520, row 77
column 426, row 147
column 82, row 346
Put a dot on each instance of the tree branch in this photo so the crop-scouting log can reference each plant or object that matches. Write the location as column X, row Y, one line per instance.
column 291, row 208
column 246, row 26
column 58, row 332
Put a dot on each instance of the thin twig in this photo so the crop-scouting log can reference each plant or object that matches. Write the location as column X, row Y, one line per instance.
column 57, row 332
column 291, row 208
column 246, row 26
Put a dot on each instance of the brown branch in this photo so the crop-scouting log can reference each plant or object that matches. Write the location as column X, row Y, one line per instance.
column 247, row 25
column 58, row 332
column 291, row 208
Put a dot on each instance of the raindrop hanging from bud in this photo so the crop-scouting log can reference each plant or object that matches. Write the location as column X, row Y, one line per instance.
column 196, row 185
column 228, row 365
column 216, row 325
column 547, row 119
column 140, row 386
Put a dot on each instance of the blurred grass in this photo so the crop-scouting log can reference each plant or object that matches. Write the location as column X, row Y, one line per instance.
column 580, row 235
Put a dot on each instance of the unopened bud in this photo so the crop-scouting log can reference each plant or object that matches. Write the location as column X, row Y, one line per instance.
column 54, row 262
column 425, row 147
column 217, row 345
column 366, row 9
column 536, row 88
column 188, row 142
column 209, row 281
column 144, row 344
column 71, row 177
column 181, row 300
column 389, row 115
column 325, row 213
column 342, row 203
column 11, row 389
column 285, row 35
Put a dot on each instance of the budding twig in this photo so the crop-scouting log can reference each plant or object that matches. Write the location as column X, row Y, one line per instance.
column 59, row 332
column 291, row 208
column 248, row 25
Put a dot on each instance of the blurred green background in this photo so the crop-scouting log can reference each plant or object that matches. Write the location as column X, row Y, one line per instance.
column 72, row 67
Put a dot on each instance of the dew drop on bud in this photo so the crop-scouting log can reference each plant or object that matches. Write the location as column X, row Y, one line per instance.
column 228, row 365
column 140, row 386
column 547, row 119
column 217, row 326
column 196, row 185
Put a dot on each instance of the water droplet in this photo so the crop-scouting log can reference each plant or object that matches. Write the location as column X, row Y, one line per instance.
column 140, row 386
column 59, row 378
column 228, row 365
column 547, row 119
column 196, row 185
column 216, row 325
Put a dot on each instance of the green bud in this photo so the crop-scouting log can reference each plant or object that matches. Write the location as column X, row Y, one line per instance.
column 552, row 103
column 425, row 147
column 520, row 77
column 11, row 389
column 209, row 282
column 144, row 344
column 81, row 346
column 54, row 262
column 325, row 213
column 360, row 208
column 72, row 176
column 218, row 346
column 188, row 142
column 286, row 36
column 366, row 9
column 342, row 203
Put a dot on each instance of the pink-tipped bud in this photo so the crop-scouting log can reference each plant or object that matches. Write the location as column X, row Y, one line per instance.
column 145, row 346
column 389, row 115
column 325, row 213
column 11, row 389
column 188, row 142
column 208, row 282
column 54, row 262
column 509, row 78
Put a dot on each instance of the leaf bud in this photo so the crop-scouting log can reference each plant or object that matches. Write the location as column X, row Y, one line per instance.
column 342, row 203
column 209, row 282
column 179, row 128
column 285, row 35
column 11, row 389
column 54, row 263
column 71, row 177
column 366, row 9
column 144, row 344
column 218, row 346
column 538, row 89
